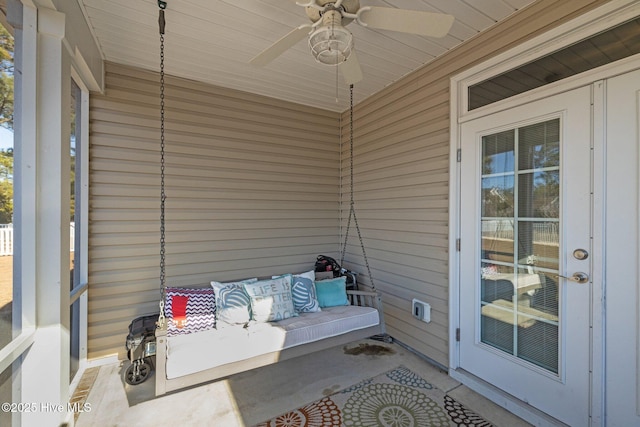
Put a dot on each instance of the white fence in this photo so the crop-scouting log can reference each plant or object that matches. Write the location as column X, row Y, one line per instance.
column 543, row 232
column 6, row 238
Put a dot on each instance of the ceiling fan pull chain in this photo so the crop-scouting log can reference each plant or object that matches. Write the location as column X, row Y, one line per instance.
column 161, row 23
column 337, row 85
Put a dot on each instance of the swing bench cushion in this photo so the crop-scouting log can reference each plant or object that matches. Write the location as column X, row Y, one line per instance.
column 193, row 353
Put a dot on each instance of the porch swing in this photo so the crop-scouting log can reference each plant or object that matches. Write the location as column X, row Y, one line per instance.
column 191, row 358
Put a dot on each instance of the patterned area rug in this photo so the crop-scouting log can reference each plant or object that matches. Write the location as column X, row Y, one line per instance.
column 398, row 398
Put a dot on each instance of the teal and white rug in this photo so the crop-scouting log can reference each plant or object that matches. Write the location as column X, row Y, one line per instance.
column 398, row 398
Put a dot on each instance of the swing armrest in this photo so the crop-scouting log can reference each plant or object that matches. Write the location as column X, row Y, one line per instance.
column 368, row 299
column 365, row 299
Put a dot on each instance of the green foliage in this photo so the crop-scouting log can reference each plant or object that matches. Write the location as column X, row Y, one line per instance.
column 7, row 48
column 6, row 186
column 6, row 202
column 6, row 100
column 6, row 78
column 6, row 120
column 6, row 164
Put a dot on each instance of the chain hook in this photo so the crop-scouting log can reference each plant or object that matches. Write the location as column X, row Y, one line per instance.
column 161, row 22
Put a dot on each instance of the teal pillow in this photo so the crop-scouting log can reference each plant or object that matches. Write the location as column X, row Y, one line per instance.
column 332, row 292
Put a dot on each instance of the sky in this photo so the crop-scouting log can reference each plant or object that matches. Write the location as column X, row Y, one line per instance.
column 6, row 138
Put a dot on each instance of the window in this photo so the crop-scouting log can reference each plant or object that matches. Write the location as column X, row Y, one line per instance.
column 78, row 225
column 600, row 49
column 75, row 124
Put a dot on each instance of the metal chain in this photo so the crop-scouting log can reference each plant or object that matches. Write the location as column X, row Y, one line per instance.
column 346, row 234
column 161, row 23
column 352, row 211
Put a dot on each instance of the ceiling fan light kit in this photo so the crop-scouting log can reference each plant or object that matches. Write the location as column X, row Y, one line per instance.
column 331, row 43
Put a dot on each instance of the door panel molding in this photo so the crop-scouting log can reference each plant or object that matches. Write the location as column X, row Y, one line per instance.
column 542, row 376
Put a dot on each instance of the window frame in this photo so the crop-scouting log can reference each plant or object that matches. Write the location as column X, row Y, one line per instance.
column 79, row 292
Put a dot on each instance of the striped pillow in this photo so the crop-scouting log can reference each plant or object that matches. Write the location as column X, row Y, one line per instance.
column 303, row 291
column 189, row 310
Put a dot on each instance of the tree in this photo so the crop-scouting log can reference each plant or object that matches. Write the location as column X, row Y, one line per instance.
column 6, row 202
column 6, row 186
column 6, row 120
column 6, row 78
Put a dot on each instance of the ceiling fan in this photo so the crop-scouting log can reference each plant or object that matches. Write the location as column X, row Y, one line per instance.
column 332, row 44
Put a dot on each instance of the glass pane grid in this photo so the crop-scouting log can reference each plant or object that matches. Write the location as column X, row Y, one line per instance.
column 520, row 223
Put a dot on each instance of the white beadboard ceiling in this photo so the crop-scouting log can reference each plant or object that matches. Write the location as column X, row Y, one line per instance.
column 213, row 40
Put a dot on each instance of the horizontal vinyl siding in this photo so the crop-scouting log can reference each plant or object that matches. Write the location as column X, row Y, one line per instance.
column 401, row 183
column 251, row 184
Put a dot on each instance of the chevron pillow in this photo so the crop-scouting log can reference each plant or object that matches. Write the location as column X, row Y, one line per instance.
column 189, row 310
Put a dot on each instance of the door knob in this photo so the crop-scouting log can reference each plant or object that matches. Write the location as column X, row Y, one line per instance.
column 578, row 277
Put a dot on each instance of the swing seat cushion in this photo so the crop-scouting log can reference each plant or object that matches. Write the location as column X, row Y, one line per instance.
column 188, row 354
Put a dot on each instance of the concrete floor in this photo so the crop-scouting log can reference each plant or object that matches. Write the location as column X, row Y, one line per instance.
column 254, row 396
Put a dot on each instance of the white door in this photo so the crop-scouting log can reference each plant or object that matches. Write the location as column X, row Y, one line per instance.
column 622, row 268
column 525, row 221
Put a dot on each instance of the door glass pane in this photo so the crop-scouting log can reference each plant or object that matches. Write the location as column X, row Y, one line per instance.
column 497, row 196
column 539, row 194
column 520, row 257
column 497, row 240
column 497, row 153
column 539, row 146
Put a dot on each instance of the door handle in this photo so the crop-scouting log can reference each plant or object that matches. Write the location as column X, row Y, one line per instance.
column 578, row 277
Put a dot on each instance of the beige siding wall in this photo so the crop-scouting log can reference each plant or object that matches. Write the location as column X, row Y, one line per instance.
column 252, row 190
column 254, row 187
column 401, row 165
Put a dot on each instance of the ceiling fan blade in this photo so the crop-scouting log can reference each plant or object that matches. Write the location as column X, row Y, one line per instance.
column 407, row 21
column 351, row 70
column 279, row 47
